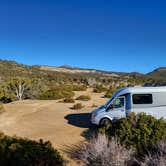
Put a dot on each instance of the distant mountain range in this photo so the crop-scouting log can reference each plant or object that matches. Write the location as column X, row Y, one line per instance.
column 74, row 70
column 10, row 68
column 157, row 73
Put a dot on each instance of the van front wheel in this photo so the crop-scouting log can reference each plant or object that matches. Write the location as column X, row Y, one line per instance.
column 105, row 122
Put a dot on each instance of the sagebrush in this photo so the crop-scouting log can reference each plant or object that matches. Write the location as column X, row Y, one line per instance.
column 156, row 157
column 83, row 97
column 100, row 151
column 77, row 106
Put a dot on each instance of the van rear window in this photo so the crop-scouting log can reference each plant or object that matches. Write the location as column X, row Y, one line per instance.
column 142, row 99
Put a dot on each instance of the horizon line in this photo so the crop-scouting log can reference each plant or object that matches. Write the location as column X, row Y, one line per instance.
column 83, row 68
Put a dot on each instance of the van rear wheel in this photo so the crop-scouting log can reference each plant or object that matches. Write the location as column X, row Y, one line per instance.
column 105, row 122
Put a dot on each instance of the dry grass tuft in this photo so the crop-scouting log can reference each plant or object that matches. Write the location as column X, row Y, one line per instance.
column 158, row 158
column 102, row 152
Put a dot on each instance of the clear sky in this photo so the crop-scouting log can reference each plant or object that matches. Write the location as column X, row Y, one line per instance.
column 113, row 35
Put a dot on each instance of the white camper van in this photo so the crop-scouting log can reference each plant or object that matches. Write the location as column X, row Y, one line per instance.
column 150, row 100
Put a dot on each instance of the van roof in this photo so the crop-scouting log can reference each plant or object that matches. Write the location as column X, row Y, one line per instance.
column 140, row 90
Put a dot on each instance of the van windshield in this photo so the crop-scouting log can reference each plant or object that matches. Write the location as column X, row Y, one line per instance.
column 112, row 98
column 108, row 102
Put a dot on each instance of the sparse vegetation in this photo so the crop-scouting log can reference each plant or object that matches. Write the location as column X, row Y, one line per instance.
column 109, row 93
column 16, row 151
column 139, row 131
column 5, row 99
column 102, row 152
column 18, row 87
column 68, row 100
column 131, row 141
column 157, row 157
column 79, row 87
column 94, row 106
column 99, row 89
column 40, row 83
column 57, row 93
column 83, row 97
column 77, row 106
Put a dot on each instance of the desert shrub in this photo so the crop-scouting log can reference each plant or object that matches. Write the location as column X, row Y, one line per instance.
column 18, row 88
column 79, row 87
column 157, row 157
column 102, row 152
column 83, row 97
column 140, row 131
column 4, row 96
column 77, row 106
column 94, row 105
column 68, row 100
column 5, row 99
column 109, row 93
column 73, row 87
column 99, row 89
column 58, row 93
column 24, row 152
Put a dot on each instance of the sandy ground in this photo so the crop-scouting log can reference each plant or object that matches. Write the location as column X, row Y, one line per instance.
column 49, row 120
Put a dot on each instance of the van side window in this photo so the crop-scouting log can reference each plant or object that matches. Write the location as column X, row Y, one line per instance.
column 119, row 102
column 142, row 99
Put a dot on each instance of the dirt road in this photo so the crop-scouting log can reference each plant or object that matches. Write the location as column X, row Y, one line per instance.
column 49, row 120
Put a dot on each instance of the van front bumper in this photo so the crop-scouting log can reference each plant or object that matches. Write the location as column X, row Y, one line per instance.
column 94, row 120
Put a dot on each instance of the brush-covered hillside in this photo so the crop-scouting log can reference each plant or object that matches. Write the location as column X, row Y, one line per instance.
column 159, row 72
column 18, row 81
column 10, row 69
column 65, row 74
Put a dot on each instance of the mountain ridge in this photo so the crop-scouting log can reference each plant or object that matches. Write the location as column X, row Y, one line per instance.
column 70, row 69
column 156, row 73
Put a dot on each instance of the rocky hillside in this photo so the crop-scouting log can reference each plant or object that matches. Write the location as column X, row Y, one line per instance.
column 160, row 72
column 89, row 72
column 10, row 69
column 67, row 69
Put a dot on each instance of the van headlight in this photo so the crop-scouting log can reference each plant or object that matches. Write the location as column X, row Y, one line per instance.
column 94, row 115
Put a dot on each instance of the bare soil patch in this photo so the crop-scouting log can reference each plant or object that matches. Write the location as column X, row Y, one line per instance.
column 49, row 120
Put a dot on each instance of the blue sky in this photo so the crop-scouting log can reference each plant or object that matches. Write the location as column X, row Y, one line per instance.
column 113, row 35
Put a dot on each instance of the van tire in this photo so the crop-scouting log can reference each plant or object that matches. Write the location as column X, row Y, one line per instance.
column 104, row 122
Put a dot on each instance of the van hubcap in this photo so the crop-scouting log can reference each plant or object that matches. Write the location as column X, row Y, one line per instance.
column 105, row 122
